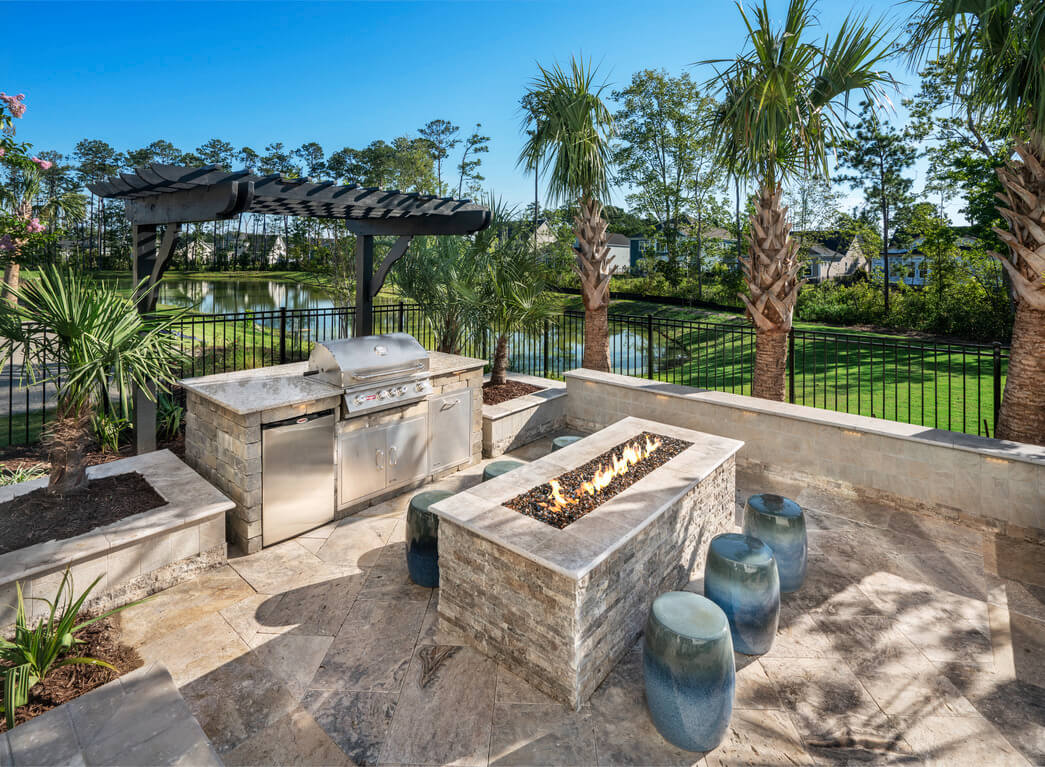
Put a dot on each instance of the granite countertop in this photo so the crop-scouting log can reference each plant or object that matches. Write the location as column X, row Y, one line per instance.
column 253, row 391
column 267, row 388
column 441, row 364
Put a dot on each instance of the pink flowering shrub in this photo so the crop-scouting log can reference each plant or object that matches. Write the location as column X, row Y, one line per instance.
column 44, row 164
column 34, row 226
column 14, row 104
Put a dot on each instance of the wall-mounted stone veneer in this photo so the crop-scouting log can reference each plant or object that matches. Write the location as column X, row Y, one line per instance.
column 984, row 483
column 561, row 607
column 522, row 420
column 136, row 556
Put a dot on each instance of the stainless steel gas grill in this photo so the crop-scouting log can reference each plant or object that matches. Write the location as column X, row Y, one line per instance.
column 393, row 429
column 376, row 372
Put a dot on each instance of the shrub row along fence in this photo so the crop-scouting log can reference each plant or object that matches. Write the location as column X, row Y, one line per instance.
column 953, row 386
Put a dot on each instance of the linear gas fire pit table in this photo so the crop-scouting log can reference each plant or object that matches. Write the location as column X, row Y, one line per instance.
column 554, row 580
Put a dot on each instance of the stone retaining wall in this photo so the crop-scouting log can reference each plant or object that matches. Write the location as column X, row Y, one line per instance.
column 984, row 483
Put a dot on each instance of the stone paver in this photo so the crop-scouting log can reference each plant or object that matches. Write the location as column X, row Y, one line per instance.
column 912, row 642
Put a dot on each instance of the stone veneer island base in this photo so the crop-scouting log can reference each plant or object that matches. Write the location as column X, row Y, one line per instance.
column 560, row 607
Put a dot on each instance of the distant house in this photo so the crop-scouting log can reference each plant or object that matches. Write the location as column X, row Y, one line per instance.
column 620, row 251
column 640, row 247
column 908, row 265
column 833, row 255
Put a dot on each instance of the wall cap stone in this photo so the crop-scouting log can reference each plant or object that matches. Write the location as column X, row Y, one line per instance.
column 994, row 448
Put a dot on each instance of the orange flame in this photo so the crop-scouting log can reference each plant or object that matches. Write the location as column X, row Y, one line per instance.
column 604, row 475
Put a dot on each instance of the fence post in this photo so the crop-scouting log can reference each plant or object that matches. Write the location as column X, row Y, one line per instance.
column 997, row 383
column 791, row 365
column 546, row 348
column 649, row 346
column 402, row 309
column 282, row 335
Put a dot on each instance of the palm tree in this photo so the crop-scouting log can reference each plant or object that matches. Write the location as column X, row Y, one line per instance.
column 26, row 197
column 997, row 48
column 508, row 293
column 782, row 103
column 569, row 137
column 95, row 336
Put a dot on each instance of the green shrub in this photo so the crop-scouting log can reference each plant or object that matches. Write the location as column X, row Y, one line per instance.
column 22, row 474
column 36, row 651
column 169, row 417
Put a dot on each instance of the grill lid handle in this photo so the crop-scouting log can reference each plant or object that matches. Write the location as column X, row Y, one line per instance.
column 383, row 373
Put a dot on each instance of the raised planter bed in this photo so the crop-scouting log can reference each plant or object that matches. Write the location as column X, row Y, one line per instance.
column 135, row 556
column 517, row 422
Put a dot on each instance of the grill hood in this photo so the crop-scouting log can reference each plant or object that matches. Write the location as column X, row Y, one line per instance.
column 368, row 360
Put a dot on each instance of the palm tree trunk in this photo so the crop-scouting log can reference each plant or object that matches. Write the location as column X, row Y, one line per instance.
column 767, row 378
column 499, row 368
column 592, row 266
column 771, row 275
column 1022, row 416
column 11, row 281
column 67, row 440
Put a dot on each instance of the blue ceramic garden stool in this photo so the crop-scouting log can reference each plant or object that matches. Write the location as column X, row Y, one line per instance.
column 687, row 662
column 740, row 576
column 422, row 538
column 780, row 523
column 560, row 442
column 497, row 468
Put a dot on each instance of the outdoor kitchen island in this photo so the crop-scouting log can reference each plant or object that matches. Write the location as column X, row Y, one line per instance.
column 560, row 604
column 377, row 452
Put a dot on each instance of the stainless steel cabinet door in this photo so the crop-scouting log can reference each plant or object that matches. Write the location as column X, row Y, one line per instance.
column 297, row 471
column 363, row 458
column 450, row 418
column 407, row 451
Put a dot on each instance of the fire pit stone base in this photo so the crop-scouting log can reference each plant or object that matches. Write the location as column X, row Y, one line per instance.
column 561, row 607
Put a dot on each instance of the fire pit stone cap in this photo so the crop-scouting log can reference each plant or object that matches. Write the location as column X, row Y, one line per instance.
column 577, row 549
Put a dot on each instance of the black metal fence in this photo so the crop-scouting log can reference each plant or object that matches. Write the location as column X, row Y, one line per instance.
column 954, row 386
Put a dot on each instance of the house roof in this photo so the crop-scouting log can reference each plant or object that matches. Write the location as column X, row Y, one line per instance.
column 162, row 194
column 617, row 239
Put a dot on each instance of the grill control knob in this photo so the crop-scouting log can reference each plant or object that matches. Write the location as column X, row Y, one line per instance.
column 402, row 390
column 420, row 386
column 383, row 394
column 359, row 399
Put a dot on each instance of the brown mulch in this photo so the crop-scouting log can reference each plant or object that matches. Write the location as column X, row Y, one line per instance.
column 534, row 503
column 495, row 395
column 102, row 640
column 42, row 516
column 26, row 456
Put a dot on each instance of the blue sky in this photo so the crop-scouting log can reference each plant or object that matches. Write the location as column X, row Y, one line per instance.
column 340, row 73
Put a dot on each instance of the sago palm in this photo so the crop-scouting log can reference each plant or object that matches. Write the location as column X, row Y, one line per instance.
column 90, row 340
column 997, row 48
column 782, row 103
column 569, row 129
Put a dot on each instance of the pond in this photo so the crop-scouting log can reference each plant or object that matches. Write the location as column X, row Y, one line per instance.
column 227, row 296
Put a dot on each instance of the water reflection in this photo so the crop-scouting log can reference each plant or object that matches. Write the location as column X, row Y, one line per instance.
column 233, row 296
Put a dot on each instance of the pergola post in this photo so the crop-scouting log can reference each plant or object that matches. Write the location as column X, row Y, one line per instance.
column 145, row 255
column 364, row 320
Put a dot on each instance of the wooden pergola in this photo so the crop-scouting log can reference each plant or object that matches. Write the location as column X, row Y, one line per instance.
column 173, row 195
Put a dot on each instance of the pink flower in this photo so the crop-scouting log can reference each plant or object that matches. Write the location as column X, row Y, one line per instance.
column 2, row 152
column 34, row 226
column 6, row 243
column 44, row 164
column 14, row 103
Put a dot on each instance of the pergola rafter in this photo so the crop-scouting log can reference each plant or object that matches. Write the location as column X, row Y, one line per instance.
column 173, row 195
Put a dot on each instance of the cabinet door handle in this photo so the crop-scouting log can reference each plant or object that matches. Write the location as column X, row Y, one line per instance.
column 393, row 456
column 379, row 457
column 449, row 404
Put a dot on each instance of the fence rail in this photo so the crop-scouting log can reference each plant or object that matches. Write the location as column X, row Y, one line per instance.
column 953, row 386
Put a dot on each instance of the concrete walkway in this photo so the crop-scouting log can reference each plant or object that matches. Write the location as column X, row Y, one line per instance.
column 912, row 641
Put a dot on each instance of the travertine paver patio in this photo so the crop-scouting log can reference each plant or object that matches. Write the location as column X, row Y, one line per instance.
column 912, row 641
